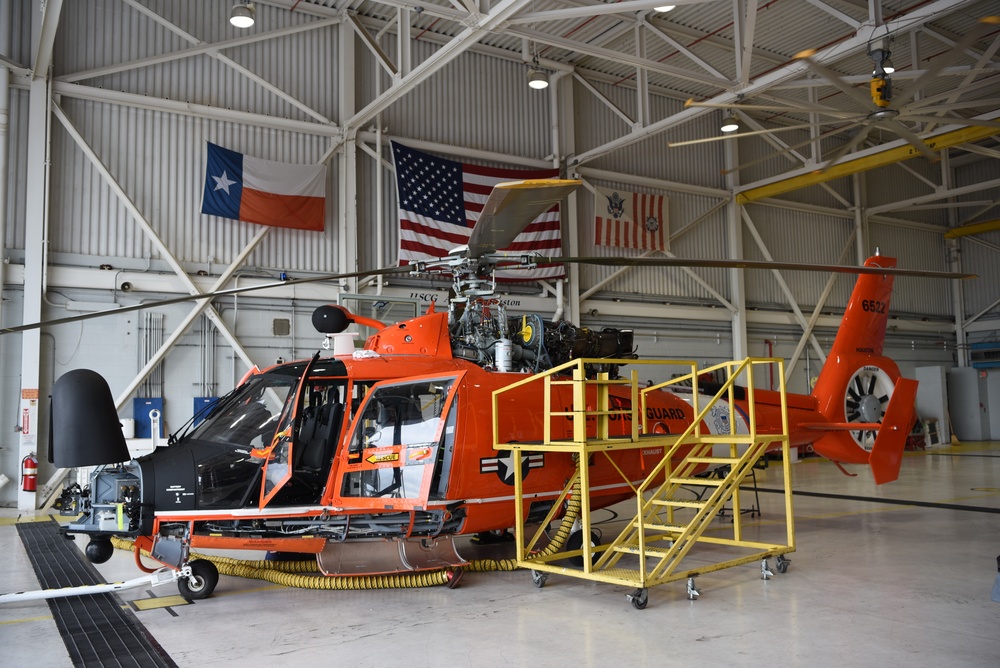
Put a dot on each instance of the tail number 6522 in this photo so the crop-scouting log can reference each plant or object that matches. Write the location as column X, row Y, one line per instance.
column 873, row 306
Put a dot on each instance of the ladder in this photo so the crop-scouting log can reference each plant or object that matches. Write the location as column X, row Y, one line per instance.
column 668, row 525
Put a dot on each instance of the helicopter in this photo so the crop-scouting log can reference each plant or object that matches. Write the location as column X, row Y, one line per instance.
column 375, row 460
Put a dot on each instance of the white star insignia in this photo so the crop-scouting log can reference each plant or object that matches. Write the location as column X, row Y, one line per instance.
column 223, row 182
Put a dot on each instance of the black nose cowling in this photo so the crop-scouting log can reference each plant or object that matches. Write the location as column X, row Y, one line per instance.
column 85, row 428
column 330, row 319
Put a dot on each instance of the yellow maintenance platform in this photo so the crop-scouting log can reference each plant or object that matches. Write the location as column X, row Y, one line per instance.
column 668, row 526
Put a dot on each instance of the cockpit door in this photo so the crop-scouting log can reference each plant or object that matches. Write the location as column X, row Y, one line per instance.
column 395, row 443
column 278, row 455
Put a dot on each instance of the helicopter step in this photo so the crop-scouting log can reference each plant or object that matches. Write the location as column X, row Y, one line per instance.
column 381, row 556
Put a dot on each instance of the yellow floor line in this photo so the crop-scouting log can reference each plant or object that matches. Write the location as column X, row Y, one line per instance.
column 27, row 620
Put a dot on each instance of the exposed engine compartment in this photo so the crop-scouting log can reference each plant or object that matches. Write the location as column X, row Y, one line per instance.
column 481, row 332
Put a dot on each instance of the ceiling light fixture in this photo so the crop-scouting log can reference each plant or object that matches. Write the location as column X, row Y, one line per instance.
column 730, row 124
column 242, row 15
column 664, row 8
column 538, row 79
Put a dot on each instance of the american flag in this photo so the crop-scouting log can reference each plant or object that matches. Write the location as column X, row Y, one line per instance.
column 630, row 220
column 440, row 201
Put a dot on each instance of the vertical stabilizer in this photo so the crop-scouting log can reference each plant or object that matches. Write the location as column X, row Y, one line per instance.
column 854, row 388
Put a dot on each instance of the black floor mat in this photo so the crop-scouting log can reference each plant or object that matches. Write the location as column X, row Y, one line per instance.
column 97, row 629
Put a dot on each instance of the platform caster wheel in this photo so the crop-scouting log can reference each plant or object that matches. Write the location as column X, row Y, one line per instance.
column 639, row 598
column 783, row 564
column 201, row 584
column 538, row 578
column 99, row 550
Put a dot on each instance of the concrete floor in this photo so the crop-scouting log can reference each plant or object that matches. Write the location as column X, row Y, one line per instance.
column 871, row 584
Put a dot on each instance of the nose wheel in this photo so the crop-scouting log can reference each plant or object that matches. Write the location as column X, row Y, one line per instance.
column 201, row 583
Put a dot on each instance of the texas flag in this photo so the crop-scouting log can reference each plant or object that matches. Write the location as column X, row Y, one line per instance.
column 263, row 191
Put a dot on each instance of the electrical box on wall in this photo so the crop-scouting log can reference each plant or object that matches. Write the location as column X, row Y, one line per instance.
column 202, row 407
column 141, row 409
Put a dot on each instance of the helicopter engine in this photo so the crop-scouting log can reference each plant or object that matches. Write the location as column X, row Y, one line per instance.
column 484, row 334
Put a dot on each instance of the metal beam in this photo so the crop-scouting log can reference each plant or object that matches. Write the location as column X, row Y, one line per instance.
column 934, row 196
column 200, row 48
column 974, row 228
column 597, row 9
column 501, row 12
column 781, row 282
column 896, row 151
column 44, row 36
column 783, row 74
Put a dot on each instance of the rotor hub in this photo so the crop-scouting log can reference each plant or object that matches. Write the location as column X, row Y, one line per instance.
column 870, row 408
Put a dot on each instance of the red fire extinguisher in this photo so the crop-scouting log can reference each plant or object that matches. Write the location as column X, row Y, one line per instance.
column 29, row 473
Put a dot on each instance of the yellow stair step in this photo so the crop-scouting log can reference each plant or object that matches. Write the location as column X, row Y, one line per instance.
column 700, row 482
column 667, row 528
column 714, row 460
column 650, row 551
column 677, row 503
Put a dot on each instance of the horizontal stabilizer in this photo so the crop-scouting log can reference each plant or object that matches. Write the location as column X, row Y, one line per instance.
column 887, row 452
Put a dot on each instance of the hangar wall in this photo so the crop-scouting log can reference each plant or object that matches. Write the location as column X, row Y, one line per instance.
column 480, row 102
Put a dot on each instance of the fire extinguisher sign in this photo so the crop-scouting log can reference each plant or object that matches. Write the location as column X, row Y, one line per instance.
column 29, row 416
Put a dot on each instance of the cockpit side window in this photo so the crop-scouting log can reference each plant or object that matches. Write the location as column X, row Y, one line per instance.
column 396, row 438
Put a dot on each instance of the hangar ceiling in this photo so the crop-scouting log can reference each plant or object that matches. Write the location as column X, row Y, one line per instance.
column 721, row 52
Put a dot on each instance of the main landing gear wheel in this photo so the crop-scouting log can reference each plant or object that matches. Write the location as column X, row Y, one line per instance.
column 639, row 598
column 201, row 584
column 538, row 578
column 575, row 542
column 99, row 550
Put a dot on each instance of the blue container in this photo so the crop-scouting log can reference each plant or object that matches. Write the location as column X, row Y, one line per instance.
column 202, row 406
column 141, row 408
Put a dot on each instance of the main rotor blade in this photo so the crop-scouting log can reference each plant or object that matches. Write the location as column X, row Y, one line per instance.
column 205, row 295
column 947, row 59
column 511, row 207
column 746, row 264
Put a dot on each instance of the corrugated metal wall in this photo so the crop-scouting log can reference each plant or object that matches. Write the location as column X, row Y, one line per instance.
column 915, row 249
column 478, row 101
column 796, row 236
column 979, row 252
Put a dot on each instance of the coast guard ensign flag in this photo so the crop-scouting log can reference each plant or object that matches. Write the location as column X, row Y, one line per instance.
column 263, row 191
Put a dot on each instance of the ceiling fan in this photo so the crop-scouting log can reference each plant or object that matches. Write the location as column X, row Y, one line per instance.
column 878, row 108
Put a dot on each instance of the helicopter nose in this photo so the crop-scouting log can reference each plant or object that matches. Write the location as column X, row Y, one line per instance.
column 85, row 427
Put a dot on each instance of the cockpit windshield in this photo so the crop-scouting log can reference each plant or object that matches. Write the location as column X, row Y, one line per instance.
column 250, row 416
